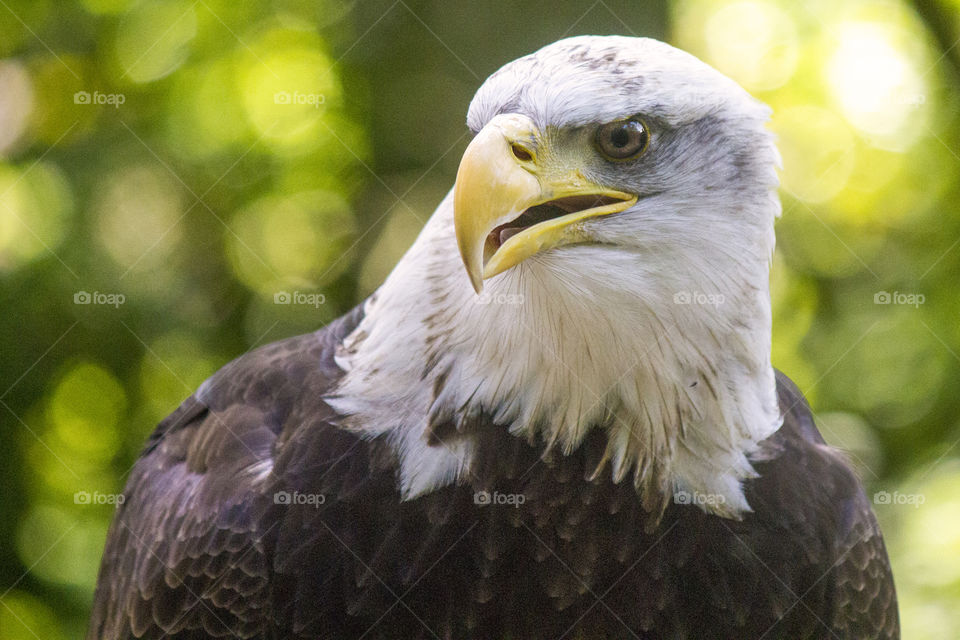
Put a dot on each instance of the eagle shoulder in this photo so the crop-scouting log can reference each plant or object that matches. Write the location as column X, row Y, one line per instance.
column 187, row 550
column 811, row 490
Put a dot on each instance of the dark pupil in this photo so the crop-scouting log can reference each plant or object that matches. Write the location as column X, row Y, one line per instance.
column 621, row 136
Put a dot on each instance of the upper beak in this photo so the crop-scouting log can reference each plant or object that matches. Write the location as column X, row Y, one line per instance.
column 504, row 172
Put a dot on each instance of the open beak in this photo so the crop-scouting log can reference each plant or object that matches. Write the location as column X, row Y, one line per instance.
column 510, row 202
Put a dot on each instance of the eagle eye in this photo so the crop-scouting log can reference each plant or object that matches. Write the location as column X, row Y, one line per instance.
column 623, row 139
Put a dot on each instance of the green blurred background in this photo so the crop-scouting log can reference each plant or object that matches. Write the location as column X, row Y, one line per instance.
column 173, row 164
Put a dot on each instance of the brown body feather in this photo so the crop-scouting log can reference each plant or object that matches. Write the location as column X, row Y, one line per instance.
column 201, row 548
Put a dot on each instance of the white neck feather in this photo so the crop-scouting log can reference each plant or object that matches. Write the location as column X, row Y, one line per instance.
column 672, row 363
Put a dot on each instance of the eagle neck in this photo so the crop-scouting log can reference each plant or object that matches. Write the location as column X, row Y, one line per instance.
column 560, row 347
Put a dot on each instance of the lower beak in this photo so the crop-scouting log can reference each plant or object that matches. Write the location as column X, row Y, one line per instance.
column 503, row 175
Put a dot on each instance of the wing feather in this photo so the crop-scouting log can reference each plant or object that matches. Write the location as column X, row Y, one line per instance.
column 187, row 551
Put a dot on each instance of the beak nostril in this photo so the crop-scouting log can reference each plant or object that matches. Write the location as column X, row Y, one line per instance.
column 520, row 152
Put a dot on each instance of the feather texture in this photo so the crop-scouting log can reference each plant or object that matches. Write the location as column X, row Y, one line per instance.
column 598, row 448
column 525, row 547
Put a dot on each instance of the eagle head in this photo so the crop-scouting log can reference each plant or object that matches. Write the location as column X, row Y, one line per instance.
column 600, row 264
column 626, row 143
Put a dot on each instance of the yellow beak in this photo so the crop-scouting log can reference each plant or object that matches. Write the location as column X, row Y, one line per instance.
column 505, row 171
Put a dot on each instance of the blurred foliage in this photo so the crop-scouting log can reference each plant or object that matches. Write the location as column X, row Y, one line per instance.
column 167, row 167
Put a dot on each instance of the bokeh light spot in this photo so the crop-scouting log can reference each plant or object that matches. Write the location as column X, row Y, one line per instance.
column 818, row 152
column 85, row 410
column 24, row 617
column 139, row 216
column 288, row 90
column 153, row 39
column 16, row 103
column 291, row 240
column 874, row 83
column 206, row 113
column 754, row 42
column 35, row 206
column 926, row 551
column 60, row 546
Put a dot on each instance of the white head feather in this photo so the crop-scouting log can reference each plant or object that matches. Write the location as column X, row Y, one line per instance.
column 658, row 333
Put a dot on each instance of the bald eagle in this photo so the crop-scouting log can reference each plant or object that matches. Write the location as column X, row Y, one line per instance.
column 557, row 417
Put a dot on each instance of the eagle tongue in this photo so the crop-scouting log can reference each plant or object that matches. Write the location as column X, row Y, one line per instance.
column 527, row 219
column 509, row 232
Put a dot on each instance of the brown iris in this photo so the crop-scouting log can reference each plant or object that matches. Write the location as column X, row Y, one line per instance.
column 623, row 139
